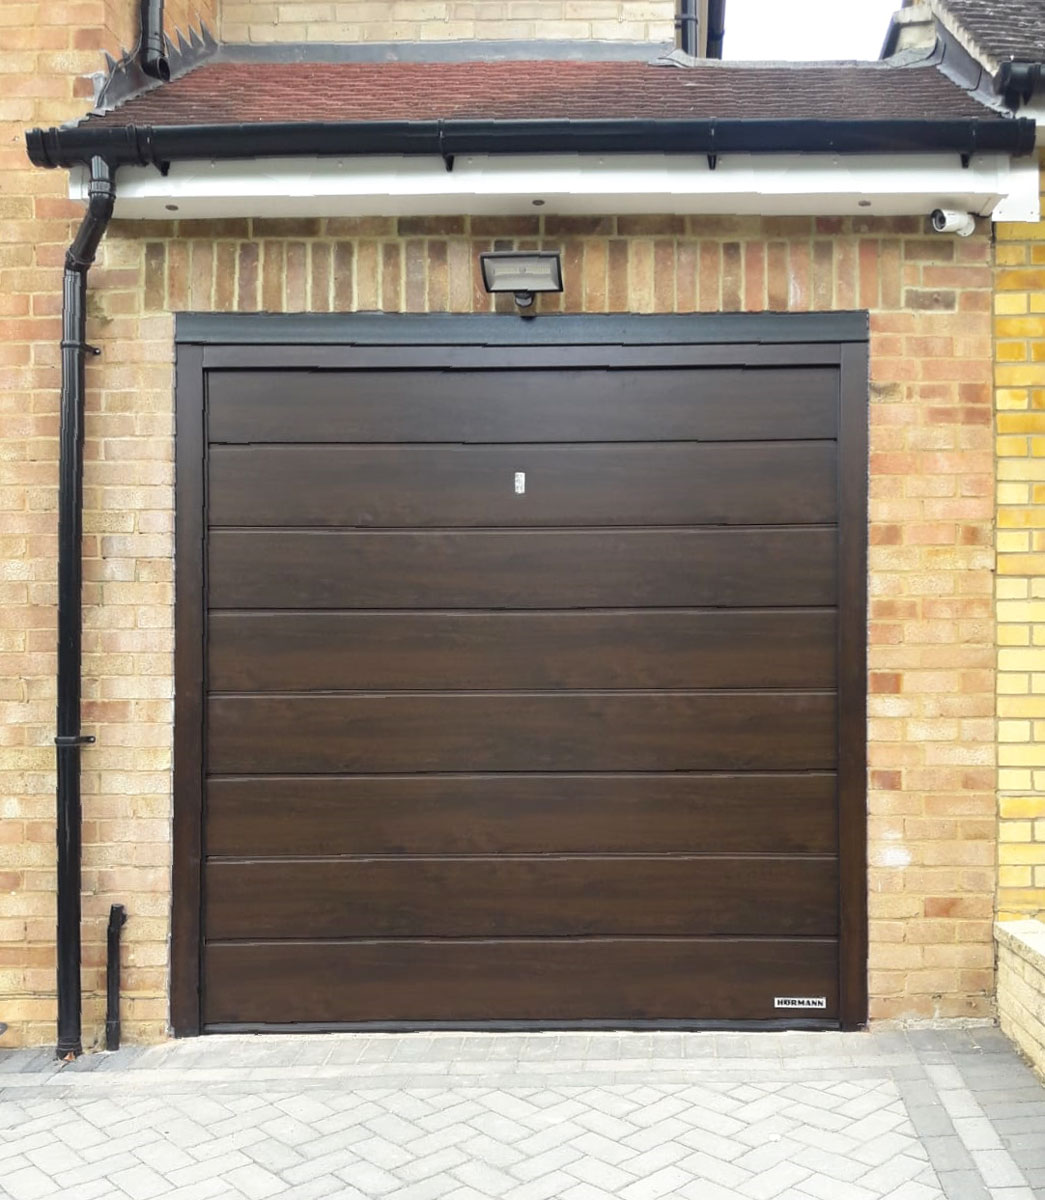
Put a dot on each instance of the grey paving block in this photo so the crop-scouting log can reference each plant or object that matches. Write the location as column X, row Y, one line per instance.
column 913, row 1189
column 546, row 1187
column 598, row 1174
column 930, row 1121
column 948, row 1153
column 963, row 1185
column 997, row 1169
column 977, row 1133
column 661, row 1183
column 560, row 1116
column 140, row 1182
column 1028, row 1152
column 28, row 1183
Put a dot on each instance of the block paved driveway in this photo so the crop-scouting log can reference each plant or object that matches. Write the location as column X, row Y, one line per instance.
column 553, row 1116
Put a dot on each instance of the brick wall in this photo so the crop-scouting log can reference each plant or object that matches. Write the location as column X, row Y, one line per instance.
column 118, row 27
column 1021, row 987
column 46, row 52
column 425, row 20
column 1019, row 327
column 931, row 729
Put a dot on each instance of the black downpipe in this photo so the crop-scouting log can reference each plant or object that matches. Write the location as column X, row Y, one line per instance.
column 687, row 22
column 117, row 920
column 78, row 259
column 152, row 51
column 716, row 27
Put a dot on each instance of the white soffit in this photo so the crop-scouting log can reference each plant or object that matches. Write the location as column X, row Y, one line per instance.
column 754, row 184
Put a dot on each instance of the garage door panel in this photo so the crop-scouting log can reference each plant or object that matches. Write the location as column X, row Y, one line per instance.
column 566, row 979
column 352, row 651
column 524, row 732
column 460, row 486
column 317, row 815
column 763, row 567
column 521, row 684
column 708, row 404
column 521, row 897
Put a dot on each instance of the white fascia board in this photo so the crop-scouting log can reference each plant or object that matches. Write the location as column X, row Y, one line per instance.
column 1023, row 201
column 752, row 184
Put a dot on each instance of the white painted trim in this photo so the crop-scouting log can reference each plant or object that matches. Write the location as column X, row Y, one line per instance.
column 1023, row 201
column 765, row 184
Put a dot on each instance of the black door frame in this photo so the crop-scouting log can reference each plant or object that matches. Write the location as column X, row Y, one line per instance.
column 259, row 340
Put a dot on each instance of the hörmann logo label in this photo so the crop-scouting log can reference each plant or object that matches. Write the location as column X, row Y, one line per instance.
column 800, row 1002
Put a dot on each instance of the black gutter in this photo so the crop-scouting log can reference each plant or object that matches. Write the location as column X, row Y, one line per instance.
column 716, row 27
column 78, row 260
column 162, row 144
column 152, row 50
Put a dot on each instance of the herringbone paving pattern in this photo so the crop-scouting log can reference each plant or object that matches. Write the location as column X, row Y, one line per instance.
column 541, row 1117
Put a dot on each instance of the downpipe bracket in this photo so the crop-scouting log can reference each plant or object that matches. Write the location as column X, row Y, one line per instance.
column 66, row 740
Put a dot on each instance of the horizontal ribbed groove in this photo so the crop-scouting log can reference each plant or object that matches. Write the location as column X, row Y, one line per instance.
column 719, row 939
column 506, row 611
column 581, row 693
column 376, row 693
column 416, row 530
column 507, row 445
column 819, row 773
column 509, row 1026
column 511, row 530
column 479, row 444
column 521, row 612
column 557, row 855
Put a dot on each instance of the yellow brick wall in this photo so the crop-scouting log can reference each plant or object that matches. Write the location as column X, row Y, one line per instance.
column 1021, row 986
column 1019, row 327
column 932, row 829
column 47, row 50
column 932, row 766
column 119, row 25
column 427, row 20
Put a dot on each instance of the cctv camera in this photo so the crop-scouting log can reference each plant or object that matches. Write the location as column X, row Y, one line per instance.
column 948, row 220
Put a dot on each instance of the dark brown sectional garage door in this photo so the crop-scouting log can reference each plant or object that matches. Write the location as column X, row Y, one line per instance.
column 522, row 686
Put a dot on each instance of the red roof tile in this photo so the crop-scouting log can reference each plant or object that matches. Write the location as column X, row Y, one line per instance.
column 234, row 92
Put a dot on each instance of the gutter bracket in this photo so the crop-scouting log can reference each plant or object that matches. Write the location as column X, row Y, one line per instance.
column 444, row 153
column 966, row 161
column 712, row 162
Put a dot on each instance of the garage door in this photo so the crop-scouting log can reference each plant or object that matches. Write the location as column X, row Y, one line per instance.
column 521, row 688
